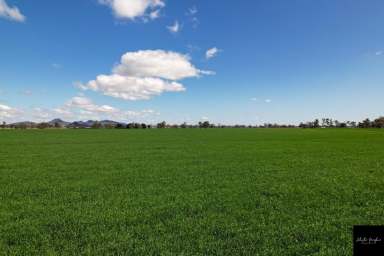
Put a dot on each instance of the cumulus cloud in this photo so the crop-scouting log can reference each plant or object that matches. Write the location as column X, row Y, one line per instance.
column 132, row 9
column 133, row 88
column 211, row 53
column 175, row 28
column 268, row 101
column 144, row 74
column 156, row 63
column 11, row 13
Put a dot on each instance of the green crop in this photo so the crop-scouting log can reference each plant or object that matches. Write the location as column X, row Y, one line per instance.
column 188, row 191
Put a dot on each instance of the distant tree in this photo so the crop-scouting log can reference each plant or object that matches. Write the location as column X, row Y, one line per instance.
column 162, row 125
column 3, row 125
column 109, row 126
column 96, row 125
column 57, row 125
column 43, row 125
column 324, row 122
column 365, row 124
column 379, row 122
column 316, row 123
column 119, row 126
column 204, row 124
column 21, row 126
column 143, row 126
column 183, row 125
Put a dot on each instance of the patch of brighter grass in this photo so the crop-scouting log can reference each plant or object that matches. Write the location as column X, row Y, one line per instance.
column 188, row 191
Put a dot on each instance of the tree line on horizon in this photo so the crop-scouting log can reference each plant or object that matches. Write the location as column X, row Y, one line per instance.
column 317, row 123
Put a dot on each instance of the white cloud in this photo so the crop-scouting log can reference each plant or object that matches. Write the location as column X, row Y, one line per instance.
column 156, row 63
column 254, row 99
column 154, row 14
column 11, row 13
column 40, row 115
column 84, row 108
column 132, row 9
column 268, row 101
column 175, row 28
column 7, row 112
column 210, row 53
column 77, row 108
column 144, row 74
column 86, row 104
column 132, row 88
column 379, row 53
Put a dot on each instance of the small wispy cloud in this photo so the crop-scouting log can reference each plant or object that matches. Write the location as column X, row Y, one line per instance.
column 211, row 53
column 258, row 100
column 195, row 22
column 379, row 53
column 175, row 28
column 192, row 11
column 155, row 14
column 56, row 65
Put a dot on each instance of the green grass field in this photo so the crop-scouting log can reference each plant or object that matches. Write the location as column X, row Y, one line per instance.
column 188, row 191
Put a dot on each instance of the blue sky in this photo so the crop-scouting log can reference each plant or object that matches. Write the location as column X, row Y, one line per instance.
column 269, row 61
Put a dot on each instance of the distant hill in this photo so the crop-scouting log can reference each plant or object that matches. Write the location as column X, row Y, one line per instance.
column 26, row 124
column 81, row 124
column 58, row 122
column 109, row 122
